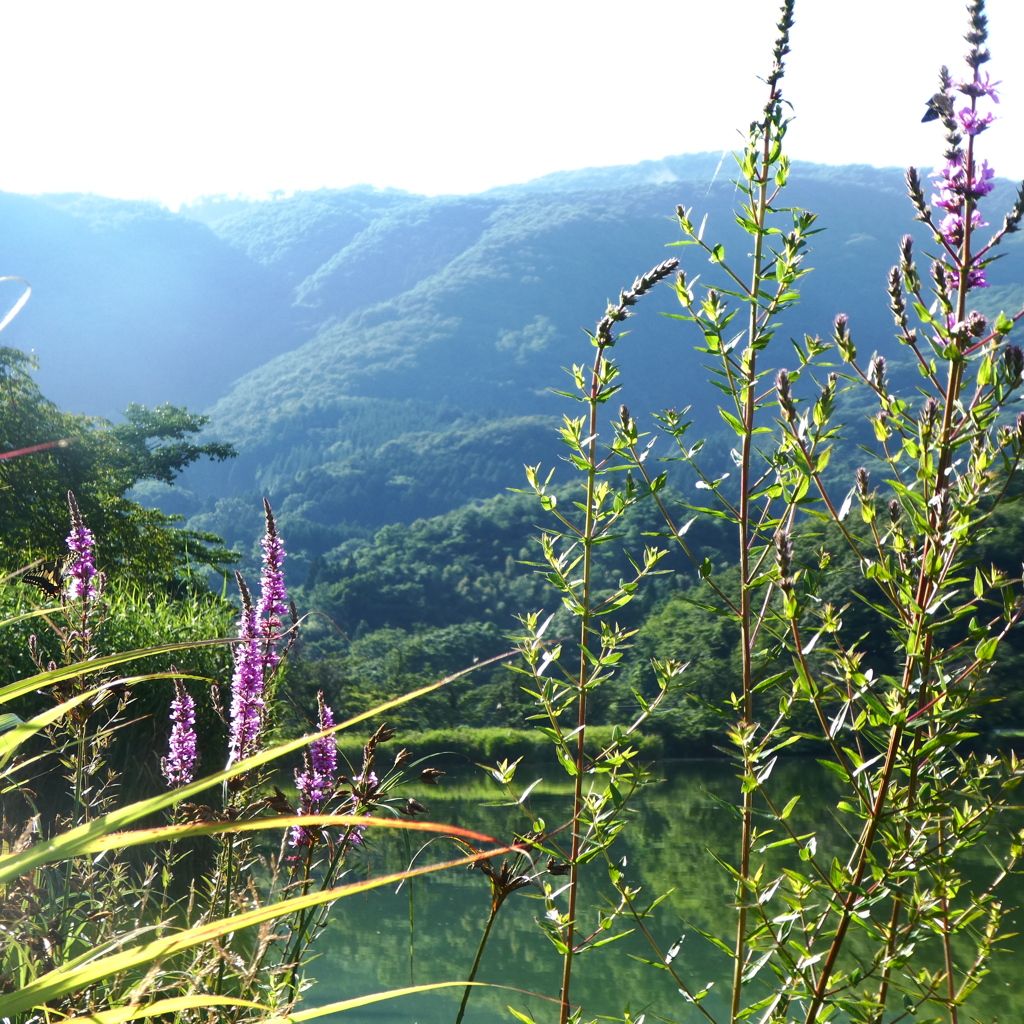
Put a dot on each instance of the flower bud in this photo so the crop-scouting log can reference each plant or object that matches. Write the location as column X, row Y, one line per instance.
column 897, row 303
column 784, row 389
column 841, row 336
column 784, row 559
column 929, row 416
column 1013, row 361
column 977, row 324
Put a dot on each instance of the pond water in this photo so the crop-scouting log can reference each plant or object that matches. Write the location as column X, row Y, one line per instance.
column 429, row 930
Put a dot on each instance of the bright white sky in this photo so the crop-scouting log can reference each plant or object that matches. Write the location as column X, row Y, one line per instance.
column 172, row 99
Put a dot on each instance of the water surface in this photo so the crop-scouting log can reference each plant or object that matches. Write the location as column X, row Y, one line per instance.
column 429, row 930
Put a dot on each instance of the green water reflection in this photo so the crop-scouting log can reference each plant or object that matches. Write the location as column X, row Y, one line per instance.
column 369, row 945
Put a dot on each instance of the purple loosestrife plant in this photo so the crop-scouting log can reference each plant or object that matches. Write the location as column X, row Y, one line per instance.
column 915, row 799
column 83, row 581
column 257, row 655
column 179, row 764
column 248, row 705
column 273, row 602
column 318, row 779
column 964, row 180
column 83, row 587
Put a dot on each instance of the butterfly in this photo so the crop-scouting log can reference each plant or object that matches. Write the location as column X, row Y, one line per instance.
column 49, row 576
column 940, row 105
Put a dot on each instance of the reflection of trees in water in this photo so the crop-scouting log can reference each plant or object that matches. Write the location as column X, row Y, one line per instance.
column 366, row 948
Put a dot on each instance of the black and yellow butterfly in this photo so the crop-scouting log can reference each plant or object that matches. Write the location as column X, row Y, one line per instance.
column 49, row 576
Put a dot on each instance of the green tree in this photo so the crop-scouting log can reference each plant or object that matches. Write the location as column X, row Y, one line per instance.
column 100, row 462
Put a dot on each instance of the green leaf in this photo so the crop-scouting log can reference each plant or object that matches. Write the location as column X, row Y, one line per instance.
column 733, row 422
column 9, row 721
column 788, row 809
column 949, row 739
column 836, row 769
column 511, row 1009
column 986, row 650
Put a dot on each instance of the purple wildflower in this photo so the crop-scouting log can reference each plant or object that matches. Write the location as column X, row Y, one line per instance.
column 256, row 655
column 247, row 702
column 962, row 182
column 179, row 764
column 956, row 186
column 83, row 579
column 273, row 601
column 974, row 326
column 318, row 779
column 982, row 85
column 972, row 122
column 975, row 278
column 952, row 227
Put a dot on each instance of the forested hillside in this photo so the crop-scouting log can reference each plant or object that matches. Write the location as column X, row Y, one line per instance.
column 384, row 365
column 434, row 317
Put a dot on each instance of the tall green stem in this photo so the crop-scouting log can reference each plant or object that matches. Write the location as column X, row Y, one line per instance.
column 495, row 907
column 584, row 667
column 749, row 407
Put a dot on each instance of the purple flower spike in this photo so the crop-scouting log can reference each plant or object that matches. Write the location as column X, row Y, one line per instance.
column 247, row 702
column 319, row 778
column 256, row 655
column 273, row 601
column 83, row 579
column 179, row 764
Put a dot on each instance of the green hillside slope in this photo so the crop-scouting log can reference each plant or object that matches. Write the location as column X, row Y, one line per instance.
column 442, row 314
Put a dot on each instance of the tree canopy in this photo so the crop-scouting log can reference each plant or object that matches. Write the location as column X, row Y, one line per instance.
column 100, row 462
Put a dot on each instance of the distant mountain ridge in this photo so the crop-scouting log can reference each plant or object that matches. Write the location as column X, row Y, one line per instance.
column 345, row 340
column 152, row 306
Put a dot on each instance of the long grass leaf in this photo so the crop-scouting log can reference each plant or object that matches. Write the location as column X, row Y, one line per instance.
column 33, row 614
column 18, row 734
column 127, row 1013
column 367, row 1000
column 42, row 680
column 73, row 841
column 122, row 840
column 61, row 982
column 123, row 1014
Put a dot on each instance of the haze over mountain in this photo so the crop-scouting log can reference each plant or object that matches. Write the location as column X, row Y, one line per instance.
column 379, row 356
